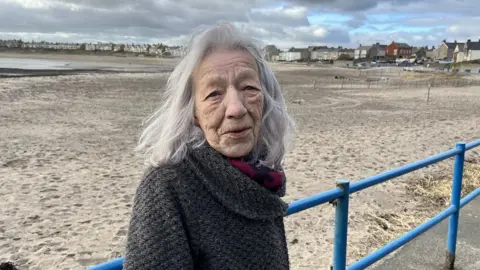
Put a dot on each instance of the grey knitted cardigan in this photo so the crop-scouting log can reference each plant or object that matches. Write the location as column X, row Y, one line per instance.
column 203, row 213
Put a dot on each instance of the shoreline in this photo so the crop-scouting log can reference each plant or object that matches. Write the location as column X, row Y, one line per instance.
column 20, row 72
column 60, row 64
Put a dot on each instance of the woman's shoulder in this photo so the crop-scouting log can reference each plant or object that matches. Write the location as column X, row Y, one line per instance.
column 161, row 175
column 163, row 178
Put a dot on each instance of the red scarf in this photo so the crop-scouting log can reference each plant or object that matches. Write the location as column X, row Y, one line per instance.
column 263, row 175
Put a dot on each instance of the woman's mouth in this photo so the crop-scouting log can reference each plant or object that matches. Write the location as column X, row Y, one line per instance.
column 238, row 133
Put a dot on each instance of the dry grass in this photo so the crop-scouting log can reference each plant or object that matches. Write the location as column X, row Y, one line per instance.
column 415, row 75
column 437, row 190
column 385, row 225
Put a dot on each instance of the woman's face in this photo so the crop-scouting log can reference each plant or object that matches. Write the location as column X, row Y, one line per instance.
column 228, row 101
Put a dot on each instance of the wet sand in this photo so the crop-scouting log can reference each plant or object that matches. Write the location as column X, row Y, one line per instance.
column 68, row 174
column 32, row 65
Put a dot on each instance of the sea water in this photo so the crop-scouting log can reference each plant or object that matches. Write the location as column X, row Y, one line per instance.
column 33, row 64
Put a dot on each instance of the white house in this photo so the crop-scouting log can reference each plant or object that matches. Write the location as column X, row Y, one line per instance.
column 320, row 54
column 175, row 51
column 104, row 47
column 458, row 53
column 99, row 47
column 330, row 53
column 295, row 55
column 472, row 51
column 136, row 48
column 362, row 52
column 118, row 47
column 90, row 47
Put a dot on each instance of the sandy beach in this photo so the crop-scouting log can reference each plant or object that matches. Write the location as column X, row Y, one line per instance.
column 68, row 172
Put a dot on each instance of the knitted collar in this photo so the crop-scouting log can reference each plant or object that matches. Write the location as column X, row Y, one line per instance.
column 263, row 175
column 233, row 188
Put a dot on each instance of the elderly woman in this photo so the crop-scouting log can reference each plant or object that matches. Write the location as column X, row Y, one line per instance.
column 211, row 198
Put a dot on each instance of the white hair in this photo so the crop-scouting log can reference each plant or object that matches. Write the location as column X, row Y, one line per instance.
column 171, row 129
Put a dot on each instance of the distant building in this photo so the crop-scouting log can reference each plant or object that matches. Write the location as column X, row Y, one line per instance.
column 346, row 53
column 320, row 53
column 33, row 45
column 431, row 53
column 445, row 50
column 175, row 51
column 51, row 46
column 333, row 54
column 316, row 48
column 99, row 47
column 398, row 50
column 90, row 47
column 420, row 52
column 459, row 53
column 294, row 54
column 472, row 50
column 156, row 50
column 132, row 48
column 363, row 52
column 378, row 51
column 270, row 52
column 119, row 47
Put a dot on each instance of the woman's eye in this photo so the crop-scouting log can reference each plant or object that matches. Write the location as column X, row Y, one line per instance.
column 213, row 94
column 251, row 88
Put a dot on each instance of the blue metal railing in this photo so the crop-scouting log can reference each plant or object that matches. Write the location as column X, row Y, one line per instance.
column 340, row 196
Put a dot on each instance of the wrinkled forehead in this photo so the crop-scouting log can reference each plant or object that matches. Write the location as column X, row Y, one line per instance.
column 221, row 61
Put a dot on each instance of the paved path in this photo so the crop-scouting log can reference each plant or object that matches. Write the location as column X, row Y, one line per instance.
column 428, row 251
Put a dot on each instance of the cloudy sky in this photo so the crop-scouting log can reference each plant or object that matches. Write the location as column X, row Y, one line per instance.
column 284, row 23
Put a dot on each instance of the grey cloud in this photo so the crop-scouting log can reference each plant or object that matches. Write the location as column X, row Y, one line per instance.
column 337, row 35
column 278, row 18
column 143, row 19
column 347, row 5
column 148, row 4
column 265, row 30
column 149, row 19
column 333, row 35
column 352, row 5
column 358, row 19
column 96, row 3
column 430, row 7
column 146, row 20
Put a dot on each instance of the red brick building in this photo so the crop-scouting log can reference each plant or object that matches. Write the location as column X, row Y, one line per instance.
column 398, row 50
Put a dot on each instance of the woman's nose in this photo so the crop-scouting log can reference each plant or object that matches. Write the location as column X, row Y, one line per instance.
column 235, row 107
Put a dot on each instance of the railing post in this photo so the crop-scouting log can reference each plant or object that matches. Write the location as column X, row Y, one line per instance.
column 455, row 201
column 341, row 226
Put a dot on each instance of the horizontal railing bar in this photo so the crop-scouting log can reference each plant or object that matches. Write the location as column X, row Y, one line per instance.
column 395, row 244
column 314, row 200
column 114, row 264
column 385, row 176
column 333, row 194
column 471, row 145
column 472, row 195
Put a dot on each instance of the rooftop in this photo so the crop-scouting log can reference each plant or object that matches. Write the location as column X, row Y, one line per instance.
column 451, row 45
column 402, row 45
column 473, row 45
column 298, row 50
column 315, row 48
column 367, row 47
